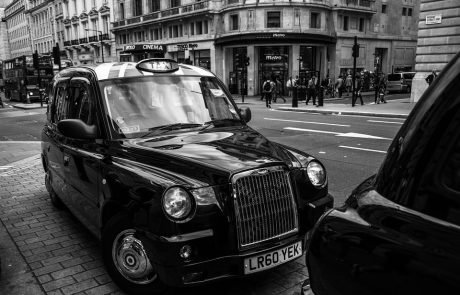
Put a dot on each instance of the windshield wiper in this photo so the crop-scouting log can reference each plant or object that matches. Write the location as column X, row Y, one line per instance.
column 169, row 127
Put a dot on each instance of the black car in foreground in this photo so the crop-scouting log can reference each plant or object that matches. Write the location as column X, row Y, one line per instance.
column 399, row 231
column 156, row 159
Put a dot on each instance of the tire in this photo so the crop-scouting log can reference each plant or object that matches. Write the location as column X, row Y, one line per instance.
column 119, row 246
column 55, row 200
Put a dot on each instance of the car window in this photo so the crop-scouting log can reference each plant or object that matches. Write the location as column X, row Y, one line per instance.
column 79, row 103
column 438, row 190
column 394, row 77
column 402, row 170
column 136, row 106
column 409, row 76
column 58, row 105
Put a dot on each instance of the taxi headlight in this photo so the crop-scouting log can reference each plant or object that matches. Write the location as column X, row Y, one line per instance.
column 177, row 203
column 316, row 173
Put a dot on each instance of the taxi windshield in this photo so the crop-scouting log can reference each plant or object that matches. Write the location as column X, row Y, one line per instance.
column 145, row 105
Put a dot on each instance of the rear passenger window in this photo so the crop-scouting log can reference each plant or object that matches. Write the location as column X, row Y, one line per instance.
column 57, row 106
column 79, row 104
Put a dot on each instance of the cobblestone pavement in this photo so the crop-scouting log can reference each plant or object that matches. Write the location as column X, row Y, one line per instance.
column 47, row 251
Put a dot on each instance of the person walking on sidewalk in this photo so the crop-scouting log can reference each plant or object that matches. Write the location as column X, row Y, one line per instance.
column 382, row 89
column 339, row 85
column 349, row 84
column 376, row 88
column 278, row 90
column 268, row 89
column 311, row 90
column 2, row 95
column 358, row 88
column 430, row 78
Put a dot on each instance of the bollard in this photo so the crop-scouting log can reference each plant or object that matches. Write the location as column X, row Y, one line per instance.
column 321, row 96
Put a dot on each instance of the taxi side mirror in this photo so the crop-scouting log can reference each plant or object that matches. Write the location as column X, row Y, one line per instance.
column 246, row 114
column 76, row 128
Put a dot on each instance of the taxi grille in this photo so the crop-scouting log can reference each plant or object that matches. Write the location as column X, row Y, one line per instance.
column 264, row 206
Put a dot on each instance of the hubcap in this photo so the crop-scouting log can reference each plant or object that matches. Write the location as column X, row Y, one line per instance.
column 131, row 260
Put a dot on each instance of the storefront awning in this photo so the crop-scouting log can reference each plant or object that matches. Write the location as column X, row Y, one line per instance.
column 258, row 38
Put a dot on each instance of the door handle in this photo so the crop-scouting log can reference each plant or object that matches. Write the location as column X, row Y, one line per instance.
column 66, row 160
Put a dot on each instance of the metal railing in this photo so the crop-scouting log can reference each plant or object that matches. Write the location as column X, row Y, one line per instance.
column 74, row 42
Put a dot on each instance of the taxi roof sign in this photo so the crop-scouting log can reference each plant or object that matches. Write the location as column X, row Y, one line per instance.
column 157, row 65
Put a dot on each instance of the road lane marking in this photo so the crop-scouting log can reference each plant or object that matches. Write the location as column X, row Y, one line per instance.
column 347, row 134
column 19, row 142
column 306, row 122
column 362, row 149
column 385, row 122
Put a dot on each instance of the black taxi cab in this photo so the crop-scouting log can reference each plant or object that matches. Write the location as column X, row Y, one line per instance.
column 157, row 160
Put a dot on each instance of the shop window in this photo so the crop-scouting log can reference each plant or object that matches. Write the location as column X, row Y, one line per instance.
column 180, row 33
column 409, row 12
column 345, row 23
column 273, row 19
column 404, row 11
column 361, row 24
column 234, row 24
column 384, row 9
column 175, row 31
column 315, row 20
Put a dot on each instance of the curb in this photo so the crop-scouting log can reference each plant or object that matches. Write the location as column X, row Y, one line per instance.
column 30, row 106
column 336, row 112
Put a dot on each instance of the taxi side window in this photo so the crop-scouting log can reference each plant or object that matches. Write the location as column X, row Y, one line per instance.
column 79, row 103
column 438, row 191
column 58, row 103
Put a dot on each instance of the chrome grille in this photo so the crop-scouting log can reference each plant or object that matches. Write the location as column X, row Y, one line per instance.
column 264, row 205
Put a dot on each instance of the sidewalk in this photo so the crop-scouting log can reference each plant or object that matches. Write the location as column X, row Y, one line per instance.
column 394, row 108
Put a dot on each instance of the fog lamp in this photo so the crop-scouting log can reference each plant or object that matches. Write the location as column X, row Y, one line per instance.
column 186, row 251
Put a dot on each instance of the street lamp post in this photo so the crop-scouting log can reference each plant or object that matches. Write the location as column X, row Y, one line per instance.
column 102, row 44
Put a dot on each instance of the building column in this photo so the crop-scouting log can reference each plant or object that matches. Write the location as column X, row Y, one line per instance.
column 295, row 60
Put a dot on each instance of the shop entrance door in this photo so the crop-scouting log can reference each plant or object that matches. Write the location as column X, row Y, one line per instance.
column 273, row 65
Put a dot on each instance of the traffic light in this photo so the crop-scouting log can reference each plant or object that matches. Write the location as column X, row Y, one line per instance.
column 355, row 52
column 56, row 55
column 35, row 59
column 247, row 61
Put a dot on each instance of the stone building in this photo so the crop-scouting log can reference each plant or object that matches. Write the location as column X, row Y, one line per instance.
column 438, row 40
column 19, row 37
column 86, row 25
column 4, row 46
column 281, row 39
column 40, row 14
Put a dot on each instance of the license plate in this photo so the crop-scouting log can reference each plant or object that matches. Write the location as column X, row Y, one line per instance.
column 268, row 260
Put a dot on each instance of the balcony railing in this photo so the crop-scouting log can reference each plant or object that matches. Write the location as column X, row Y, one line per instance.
column 74, row 42
column 105, row 37
column 83, row 40
column 180, row 10
column 93, row 39
column 361, row 4
column 67, row 43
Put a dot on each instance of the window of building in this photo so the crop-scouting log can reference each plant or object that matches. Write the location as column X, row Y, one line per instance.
column 156, row 34
column 205, row 27
column 273, row 19
column 137, row 7
column 384, row 8
column 93, row 2
column 404, row 11
column 153, row 5
column 192, row 29
column 296, row 17
column 84, row 5
column 174, row 3
column 199, row 28
column 361, row 24
column 234, row 22
column 106, row 25
column 170, row 29
column 75, row 6
column 345, row 23
column 409, row 12
column 315, row 20
column 121, row 11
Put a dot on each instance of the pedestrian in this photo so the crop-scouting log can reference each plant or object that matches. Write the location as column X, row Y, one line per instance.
column 339, row 85
column 268, row 89
column 263, row 93
column 2, row 94
column 348, row 84
column 382, row 89
column 278, row 90
column 359, row 82
column 311, row 90
column 430, row 78
column 376, row 88
column 289, row 86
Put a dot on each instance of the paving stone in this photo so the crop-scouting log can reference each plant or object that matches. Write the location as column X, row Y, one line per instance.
column 78, row 287
column 59, row 283
column 92, row 273
column 104, row 289
column 47, row 269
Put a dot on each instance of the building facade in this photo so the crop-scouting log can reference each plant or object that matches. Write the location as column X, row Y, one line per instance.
column 4, row 45
column 41, row 17
column 87, row 30
column 18, row 29
column 438, row 40
column 281, row 39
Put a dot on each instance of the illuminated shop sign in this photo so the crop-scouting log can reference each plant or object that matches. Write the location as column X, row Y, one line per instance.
column 274, row 58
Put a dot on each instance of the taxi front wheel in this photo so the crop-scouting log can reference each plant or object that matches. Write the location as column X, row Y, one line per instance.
column 126, row 259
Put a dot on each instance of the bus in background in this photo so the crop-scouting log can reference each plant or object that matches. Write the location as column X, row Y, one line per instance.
column 21, row 78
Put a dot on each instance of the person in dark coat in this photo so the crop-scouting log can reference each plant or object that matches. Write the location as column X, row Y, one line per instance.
column 430, row 78
column 358, row 88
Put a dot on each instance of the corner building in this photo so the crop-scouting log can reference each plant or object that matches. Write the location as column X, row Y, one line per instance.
column 280, row 38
